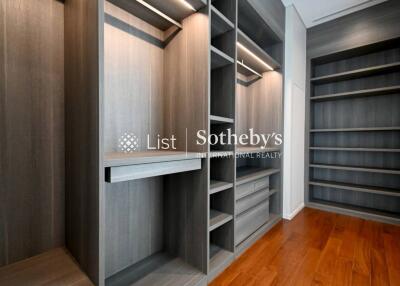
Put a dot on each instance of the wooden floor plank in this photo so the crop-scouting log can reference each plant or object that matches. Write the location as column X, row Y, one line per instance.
column 320, row 248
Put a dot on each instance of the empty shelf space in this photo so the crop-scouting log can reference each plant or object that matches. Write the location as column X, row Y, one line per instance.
column 54, row 267
column 356, row 169
column 160, row 14
column 247, row 174
column 219, row 259
column 158, row 269
column 255, row 149
column 358, row 93
column 218, row 219
column 219, row 186
column 219, row 59
column 355, row 149
column 220, row 120
column 253, row 56
column 356, row 188
column 363, row 212
column 360, row 129
column 219, row 23
column 138, row 165
column 356, row 73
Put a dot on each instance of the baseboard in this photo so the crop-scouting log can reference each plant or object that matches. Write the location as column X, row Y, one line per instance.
column 294, row 213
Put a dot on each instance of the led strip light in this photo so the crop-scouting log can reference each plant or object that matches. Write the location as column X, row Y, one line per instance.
column 254, row 56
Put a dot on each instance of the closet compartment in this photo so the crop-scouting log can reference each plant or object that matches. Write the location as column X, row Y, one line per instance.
column 156, row 200
column 354, row 136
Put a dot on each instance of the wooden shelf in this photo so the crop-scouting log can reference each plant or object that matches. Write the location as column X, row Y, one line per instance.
column 356, row 169
column 356, row 73
column 358, row 93
column 363, row 212
column 219, row 59
column 219, row 186
column 250, row 60
column 250, row 18
column 362, row 129
column 256, row 149
column 218, row 219
column 54, row 267
column 356, row 188
column 220, row 120
column 158, row 269
column 138, row 165
column 272, row 192
column 161, row 14
column 219, row 23
column 247, row 174
column 355, row 149
column 219, row 260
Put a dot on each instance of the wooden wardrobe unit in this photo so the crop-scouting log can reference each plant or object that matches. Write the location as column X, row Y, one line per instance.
column 80, row 76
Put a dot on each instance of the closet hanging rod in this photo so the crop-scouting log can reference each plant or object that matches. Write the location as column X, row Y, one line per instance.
column 249, row 68
column 159, row 13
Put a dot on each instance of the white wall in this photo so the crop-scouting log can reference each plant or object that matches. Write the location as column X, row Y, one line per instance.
column 294, row 113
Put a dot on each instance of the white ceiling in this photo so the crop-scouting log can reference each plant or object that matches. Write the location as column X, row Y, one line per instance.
column 314, row 12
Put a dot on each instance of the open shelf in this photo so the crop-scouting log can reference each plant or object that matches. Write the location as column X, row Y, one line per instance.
column 219, row 186
column 361, row 129
column 219, row 23
column 54, row 267
column 219, row 259
column 253, row 56
column 158, row 269
column 272, row 192
column 161, row 14
column 247, row 174
column 250, row 19
column 356, row 73
column 356, row 188
column 355, row 149
column 358, row 93
column 138, row 165
column 220, row 120
column 219, row 59
column 363, row 212
column 255, row 149
column 356, row 169
column 218, row 219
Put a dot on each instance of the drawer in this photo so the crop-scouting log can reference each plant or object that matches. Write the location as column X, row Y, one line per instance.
column 251, row 201
column 248, row 222
column 251, row 187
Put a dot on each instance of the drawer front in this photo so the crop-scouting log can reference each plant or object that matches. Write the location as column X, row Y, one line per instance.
column 251, row 187
column 251, row 201
column 248, row 222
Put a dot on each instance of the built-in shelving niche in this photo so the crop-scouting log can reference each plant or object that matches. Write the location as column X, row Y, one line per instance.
column 155, row 87
column 354, row 131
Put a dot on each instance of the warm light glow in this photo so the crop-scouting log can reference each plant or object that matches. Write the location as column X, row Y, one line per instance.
column 254, row 56
column 187, row 5
column 249, row 68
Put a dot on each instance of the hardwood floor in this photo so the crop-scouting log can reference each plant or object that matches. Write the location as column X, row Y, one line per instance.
column 320, row 248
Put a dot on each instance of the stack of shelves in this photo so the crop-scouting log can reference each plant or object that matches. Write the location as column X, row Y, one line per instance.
column 355, row 133
column 222, row 119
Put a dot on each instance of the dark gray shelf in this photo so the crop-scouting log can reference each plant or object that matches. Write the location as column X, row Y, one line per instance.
column 219, row 259
column 219, row 23
column 356, row 188
column 247, row 174
column 358, row 93
column 356, row 169
column 219, row 59
column 218, row 219
column 355, row 149
column 360, row 129
column 161, row 14
column 220, row 120
column 357, row 73
column 219, row 186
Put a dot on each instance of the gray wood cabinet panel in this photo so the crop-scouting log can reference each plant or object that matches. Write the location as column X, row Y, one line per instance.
column 32, row 191
column 84, row 137
column 250, row 221
column 251, row 201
